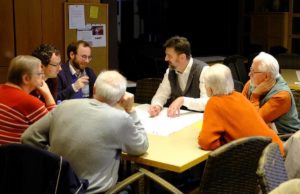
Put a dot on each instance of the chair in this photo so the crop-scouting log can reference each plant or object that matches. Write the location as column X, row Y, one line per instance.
column 288, row 61
column 292, row 151
column 146, row 89
column 233, row 71
column 25, row 169
column 238, row 85
column 296, row 94
column 237, row 67
column 291, row 186
column 271, row 170
column 143, row 175
column 231, row 169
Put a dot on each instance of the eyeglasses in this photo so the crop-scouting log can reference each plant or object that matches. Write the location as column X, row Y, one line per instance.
column 85, row 57
column 255, row 72
column 39, row 74
column 55, row 65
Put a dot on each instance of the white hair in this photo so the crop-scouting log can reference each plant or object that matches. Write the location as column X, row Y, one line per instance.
column 110, row 85
column 218, row 77
column 267, row 63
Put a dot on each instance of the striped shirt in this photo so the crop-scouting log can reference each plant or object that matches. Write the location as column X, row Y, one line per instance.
column 18, row 110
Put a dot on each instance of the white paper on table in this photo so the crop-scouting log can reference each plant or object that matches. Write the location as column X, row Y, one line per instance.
column 298, row 75
column 162, row 124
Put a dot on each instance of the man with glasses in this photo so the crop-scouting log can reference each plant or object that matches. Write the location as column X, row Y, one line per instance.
column 51, row 60
column 270, row 94
column 19, row 109
column 76, row 80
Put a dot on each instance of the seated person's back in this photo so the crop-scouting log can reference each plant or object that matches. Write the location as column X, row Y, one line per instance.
column 228, row 114
column 91, row 133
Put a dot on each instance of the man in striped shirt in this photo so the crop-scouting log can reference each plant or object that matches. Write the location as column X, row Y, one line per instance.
column 19, row 109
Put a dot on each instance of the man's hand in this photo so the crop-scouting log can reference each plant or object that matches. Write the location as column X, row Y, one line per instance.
column 81, row 82
column 127, row 102
column 154, row 110
column 45, row 92
column 174, row 108
column 265, row 86
column 44, row 89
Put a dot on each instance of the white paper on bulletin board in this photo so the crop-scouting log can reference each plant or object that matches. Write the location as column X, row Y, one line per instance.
column 99, row 35
column 94, row 34
column 76, row 16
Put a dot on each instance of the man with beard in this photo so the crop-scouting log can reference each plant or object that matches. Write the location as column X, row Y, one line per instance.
column 270, row 94
column 182, row 84
column 76, row 80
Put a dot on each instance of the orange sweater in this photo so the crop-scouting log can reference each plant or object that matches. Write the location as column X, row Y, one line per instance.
column 231, row 117
column 275, row 107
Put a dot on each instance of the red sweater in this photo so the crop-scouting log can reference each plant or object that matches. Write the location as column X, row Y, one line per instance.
column 17, row 111
column 231, row 117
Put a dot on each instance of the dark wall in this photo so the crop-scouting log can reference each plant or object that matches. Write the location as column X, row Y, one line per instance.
column 211, row 26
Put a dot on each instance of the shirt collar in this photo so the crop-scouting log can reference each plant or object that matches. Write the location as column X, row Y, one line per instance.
column 73, row 71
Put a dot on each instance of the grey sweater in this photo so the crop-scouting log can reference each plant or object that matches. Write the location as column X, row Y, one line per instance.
column 91, row 135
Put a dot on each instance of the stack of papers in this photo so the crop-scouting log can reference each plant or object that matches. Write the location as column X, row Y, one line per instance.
column 162, row 124
column 298, row 75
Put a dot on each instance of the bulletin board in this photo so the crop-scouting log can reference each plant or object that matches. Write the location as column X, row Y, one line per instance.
column 94, row 13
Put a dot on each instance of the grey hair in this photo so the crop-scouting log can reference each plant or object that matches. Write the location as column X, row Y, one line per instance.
column 111, row 86
column 267, row 63
column 218, row 77
column 21, row 65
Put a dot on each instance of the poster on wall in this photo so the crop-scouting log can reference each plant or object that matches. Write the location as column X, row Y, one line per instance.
column 94, row 34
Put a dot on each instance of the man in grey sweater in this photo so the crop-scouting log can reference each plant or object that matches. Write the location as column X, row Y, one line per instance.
column 92, row 133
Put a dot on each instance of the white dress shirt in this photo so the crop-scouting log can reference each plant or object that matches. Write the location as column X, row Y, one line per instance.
column 163, row 93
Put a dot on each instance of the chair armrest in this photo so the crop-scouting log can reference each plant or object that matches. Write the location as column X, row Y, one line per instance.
column 124, row 183
column 165, row 184
column 143, row 174
column 285, row 137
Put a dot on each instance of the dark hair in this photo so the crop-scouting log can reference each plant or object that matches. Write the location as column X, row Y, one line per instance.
column 44, row 52
column 73, row 47
column 181, row 45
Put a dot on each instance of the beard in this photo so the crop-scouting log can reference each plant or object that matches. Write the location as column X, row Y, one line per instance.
column 252, row 84
column 171, row 67
column 76, row 64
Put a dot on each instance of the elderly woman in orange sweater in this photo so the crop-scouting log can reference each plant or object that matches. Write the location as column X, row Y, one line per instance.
column 228, row 114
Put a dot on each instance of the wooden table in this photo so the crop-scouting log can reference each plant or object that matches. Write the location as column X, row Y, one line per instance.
column 290, row 77
column 176, row 152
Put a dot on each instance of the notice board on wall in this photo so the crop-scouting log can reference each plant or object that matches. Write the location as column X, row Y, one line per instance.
column 89, row 21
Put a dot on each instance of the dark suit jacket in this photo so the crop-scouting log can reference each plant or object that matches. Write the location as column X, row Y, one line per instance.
column 65, row 90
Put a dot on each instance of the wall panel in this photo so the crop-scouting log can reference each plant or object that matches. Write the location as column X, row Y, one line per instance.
column 28, row 25
column 53, row 23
